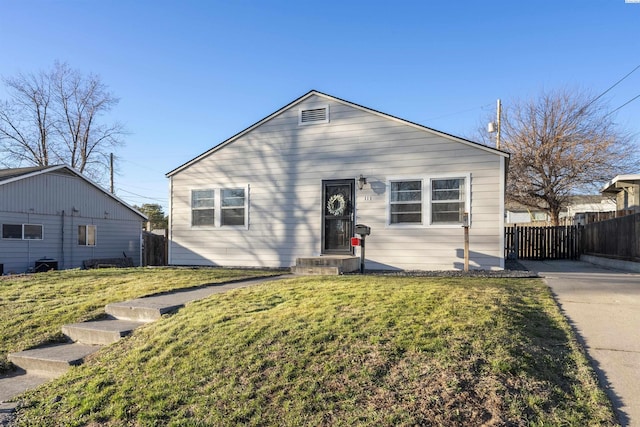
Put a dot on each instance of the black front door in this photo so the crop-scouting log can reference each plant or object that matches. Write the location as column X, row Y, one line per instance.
column 337, row 217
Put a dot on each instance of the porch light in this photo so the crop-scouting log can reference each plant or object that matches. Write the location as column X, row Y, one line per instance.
column 361, row 182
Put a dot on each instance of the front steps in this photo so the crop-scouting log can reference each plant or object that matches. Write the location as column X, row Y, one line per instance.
column 52, row 361
column 326, row 265
column 86, row 338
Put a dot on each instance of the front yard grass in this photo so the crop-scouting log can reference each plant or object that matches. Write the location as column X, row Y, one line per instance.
column 34, row 307
column 345, row 351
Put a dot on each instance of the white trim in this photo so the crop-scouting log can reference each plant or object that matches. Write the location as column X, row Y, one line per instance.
column 391, row 179
column 467, row 200
column 169, row 224
column 191, row 209
column 501, row 211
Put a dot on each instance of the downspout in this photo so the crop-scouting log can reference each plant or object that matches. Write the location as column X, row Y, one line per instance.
column 62, row 243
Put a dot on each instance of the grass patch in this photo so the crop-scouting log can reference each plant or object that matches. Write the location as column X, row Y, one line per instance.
column 340, row 351
column 34, row 307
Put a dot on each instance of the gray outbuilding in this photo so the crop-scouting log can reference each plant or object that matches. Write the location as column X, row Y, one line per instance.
column 54, row 217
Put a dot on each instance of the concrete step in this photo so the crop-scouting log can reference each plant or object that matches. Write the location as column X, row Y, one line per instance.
column 141, row 310
column 316, row 271
column 52, row 361
column 326, row 264
column 100, row 332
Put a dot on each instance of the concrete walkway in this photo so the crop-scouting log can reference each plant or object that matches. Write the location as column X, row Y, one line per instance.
column 603, row 306
column 153, row 307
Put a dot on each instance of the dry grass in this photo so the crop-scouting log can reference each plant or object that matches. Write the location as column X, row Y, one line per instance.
column 341, row 351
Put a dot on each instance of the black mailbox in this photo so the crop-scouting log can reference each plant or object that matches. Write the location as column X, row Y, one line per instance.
column 363, row 230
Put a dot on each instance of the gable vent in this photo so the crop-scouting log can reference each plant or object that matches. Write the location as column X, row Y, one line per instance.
column 314, row 115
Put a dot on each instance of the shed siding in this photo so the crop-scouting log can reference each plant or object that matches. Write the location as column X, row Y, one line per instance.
column 61, row 202
column 284, row 165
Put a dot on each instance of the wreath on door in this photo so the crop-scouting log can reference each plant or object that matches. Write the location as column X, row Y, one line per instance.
column 336, row 205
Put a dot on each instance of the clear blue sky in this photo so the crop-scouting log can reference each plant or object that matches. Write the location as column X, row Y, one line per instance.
column 190, row 74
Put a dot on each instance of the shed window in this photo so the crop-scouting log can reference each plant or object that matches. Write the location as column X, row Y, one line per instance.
column 87, row 235
column 32, row 232
column 22, row 231
column 12, row 231
column 406, row 202
column 202, row 208
column 447, row 201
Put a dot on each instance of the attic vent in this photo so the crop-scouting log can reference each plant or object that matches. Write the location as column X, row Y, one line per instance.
column 314, row 115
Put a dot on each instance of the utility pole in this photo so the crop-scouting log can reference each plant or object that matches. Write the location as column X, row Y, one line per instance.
column 111, row 171
column 499, row 114
column 495, row 126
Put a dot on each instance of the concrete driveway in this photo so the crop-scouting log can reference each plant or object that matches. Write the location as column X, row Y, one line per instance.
column 603, row 306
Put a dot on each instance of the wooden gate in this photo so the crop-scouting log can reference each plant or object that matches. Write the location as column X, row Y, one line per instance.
column 539, row 243
column 154, row 249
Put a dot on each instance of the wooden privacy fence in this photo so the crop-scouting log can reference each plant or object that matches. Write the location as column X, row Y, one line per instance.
column 539, row 243
column 617, row 238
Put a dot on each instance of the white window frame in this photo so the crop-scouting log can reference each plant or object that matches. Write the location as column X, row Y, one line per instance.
column 390, row 203
column 22, row 226
column 191, row 208
column 467, row 199
column 87, row 227
column 426, row 199
column 218, row 208
column 314, row 122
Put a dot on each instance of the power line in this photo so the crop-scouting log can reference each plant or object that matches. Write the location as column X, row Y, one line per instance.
column 611, row 87
column 628, row 102
column 157, row 199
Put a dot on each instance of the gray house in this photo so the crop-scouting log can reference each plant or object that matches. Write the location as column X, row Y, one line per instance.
column 296, row 183
column 54, row 217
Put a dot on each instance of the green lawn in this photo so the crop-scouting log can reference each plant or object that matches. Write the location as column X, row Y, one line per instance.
column 34, row 307
column 349, row 350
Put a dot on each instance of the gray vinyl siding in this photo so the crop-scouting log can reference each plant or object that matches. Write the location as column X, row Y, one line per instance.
column 284, row 164
column 61, row 202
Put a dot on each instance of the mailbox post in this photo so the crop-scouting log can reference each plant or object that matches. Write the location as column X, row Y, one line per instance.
column 465, row 225
column 363, row 231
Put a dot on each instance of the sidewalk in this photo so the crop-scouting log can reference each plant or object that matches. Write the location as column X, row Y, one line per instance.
column 18, row 382
column 603, row 306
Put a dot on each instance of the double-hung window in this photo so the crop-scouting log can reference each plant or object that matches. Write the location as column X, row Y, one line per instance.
column 202, row 208
column 231, row 204
column 448, row 200
column 406, row 202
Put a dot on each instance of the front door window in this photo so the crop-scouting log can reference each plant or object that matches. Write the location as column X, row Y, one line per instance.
column 337, row 216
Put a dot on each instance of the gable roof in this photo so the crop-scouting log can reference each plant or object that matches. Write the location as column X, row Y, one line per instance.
column 342, row 101
column 16, row 174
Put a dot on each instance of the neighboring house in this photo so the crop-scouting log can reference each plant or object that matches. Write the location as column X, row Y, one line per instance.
column 295, row 183
column 626, row 191
column 56, row 214
column 579, row 209
column 516, row 213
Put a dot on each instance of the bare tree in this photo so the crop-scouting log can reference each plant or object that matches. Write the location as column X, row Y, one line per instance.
column 55, row 117
column 26, row 123
column 563, row 142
